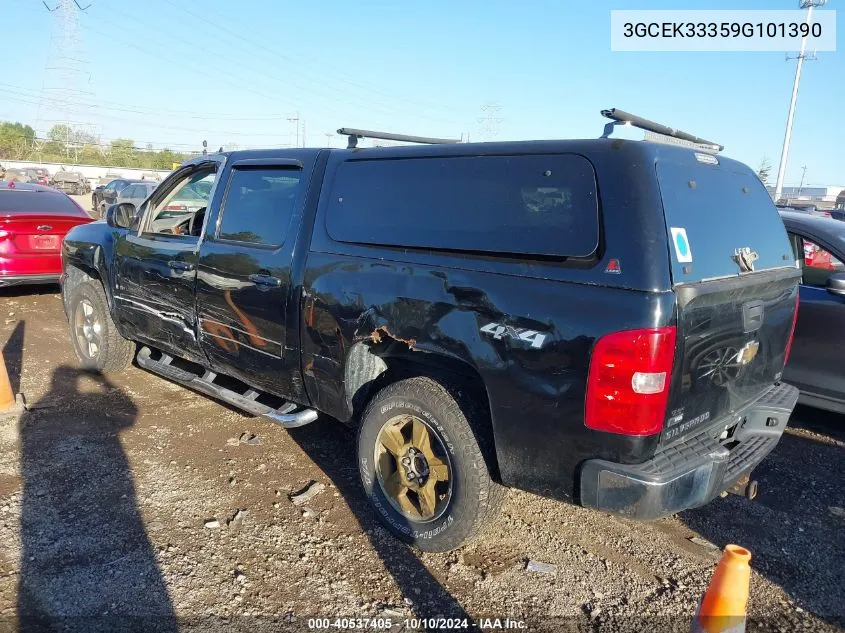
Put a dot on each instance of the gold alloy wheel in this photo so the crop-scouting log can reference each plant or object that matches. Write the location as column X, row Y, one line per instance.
column 413, row 468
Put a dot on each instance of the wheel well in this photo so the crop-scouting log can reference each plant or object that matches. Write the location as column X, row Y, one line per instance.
column 370, row 368
column 75, row 275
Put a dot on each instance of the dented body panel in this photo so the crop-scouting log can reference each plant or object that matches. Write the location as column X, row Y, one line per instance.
column 536, row 394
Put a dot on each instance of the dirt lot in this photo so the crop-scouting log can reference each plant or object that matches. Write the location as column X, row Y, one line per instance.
column 129, row 496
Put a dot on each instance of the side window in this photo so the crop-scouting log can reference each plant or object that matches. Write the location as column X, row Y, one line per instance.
column 529, row 204
column 182, row 207
column 129, row 192
column 259, row 205
column 819, row 264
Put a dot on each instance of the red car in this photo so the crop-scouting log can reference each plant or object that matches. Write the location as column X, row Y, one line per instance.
column 33, row 221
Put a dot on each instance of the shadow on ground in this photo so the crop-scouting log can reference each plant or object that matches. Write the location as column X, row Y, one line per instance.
column 86, row 562
column 795, row 526
column 330, row 446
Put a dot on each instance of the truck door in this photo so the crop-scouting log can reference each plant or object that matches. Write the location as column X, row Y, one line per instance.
column 155, row 264
column 244, row 274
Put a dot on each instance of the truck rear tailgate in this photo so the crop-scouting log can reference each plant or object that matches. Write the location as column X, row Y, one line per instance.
column 736, row 284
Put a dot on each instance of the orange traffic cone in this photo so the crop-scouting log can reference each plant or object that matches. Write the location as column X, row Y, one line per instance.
column 7, row 396
column 722, row 609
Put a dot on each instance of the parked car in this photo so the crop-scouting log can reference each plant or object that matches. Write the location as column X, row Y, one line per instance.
column 43, row 176
column 816, row 362
column 573, row 318
column 135, row 193
column 72, row 182
column 16, row 175
column 106, row 195
column 33, row 221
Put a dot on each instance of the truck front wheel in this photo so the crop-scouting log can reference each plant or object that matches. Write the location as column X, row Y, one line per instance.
column 96, row 341
column 422, row 467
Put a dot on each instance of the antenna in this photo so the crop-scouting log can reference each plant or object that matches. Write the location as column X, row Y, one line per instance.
column 66, row 93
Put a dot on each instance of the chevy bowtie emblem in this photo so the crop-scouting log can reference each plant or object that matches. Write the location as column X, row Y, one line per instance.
column 745, row 258
column 747, row 353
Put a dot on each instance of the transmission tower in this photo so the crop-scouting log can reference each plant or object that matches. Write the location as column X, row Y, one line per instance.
column 489, row 122
column 67, row 94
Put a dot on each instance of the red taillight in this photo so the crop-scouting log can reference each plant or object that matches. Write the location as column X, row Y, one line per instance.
column 175, row 207
column 628, row 383
column 791, row 331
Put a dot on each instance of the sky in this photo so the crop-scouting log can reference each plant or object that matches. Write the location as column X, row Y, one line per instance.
column 172, row 73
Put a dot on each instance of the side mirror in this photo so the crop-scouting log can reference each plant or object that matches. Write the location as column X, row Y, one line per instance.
column 836, row 284
column 121, row 216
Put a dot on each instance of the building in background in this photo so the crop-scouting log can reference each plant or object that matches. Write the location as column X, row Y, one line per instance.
column 825, row 197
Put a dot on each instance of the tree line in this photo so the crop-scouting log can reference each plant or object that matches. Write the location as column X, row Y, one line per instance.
column 64, row 144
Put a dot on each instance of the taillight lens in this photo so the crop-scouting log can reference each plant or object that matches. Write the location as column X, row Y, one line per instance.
column 791, row 331
column 175, row 207
column 628, row 383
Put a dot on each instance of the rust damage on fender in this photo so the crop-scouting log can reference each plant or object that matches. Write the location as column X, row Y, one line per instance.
column 381, row 332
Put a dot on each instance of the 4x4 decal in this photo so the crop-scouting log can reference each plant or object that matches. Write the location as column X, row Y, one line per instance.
column 499, row 331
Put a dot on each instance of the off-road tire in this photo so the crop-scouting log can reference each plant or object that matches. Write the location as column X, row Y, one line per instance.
column 475, row 498
column 116, row 352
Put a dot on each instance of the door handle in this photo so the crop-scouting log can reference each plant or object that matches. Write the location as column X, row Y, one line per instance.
column 179, row 265
column 265, row 280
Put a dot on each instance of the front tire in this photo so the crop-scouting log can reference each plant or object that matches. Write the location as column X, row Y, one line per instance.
column 422, row 467
column 96, row 341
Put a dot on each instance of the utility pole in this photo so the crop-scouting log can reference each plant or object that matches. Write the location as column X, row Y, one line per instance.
column 65, row 93
column 295, row 121
column 490, row 121
column 329, row 136
column 304, row 143
column 784, row 154
column 801, row 186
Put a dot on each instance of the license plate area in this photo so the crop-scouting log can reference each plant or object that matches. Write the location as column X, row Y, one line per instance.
column 45, row 242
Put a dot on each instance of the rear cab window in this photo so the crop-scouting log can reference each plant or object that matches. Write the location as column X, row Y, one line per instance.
column 33, row 202
column 541, row 205
column 713, row 209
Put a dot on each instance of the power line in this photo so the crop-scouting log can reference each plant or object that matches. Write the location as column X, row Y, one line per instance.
column 130, row 108
column 156, row 124
column 490, row 121
column 294, row 65
column 265, row 73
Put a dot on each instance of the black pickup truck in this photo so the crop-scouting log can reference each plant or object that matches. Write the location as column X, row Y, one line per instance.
column 603, row 320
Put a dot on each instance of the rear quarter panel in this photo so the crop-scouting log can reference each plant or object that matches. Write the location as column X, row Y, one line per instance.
column 479, row 313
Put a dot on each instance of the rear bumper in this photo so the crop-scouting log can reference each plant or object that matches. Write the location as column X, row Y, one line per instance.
column 690, row 473
column 21, row 280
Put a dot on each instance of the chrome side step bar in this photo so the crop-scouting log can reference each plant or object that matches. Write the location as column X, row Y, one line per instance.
column 289, row 415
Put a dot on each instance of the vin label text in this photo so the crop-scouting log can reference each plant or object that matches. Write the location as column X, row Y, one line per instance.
column 721, row 30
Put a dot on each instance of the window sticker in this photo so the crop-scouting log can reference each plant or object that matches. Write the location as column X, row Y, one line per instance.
column 682, row 247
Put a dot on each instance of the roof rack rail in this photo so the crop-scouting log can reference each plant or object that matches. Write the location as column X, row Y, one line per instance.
column 355, row 134
column 620, row 117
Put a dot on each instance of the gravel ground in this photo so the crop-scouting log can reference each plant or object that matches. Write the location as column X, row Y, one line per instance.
column 130, row 497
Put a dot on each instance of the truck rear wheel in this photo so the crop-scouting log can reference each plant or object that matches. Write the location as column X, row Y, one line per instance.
column 422, row 467
column 96, row 341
